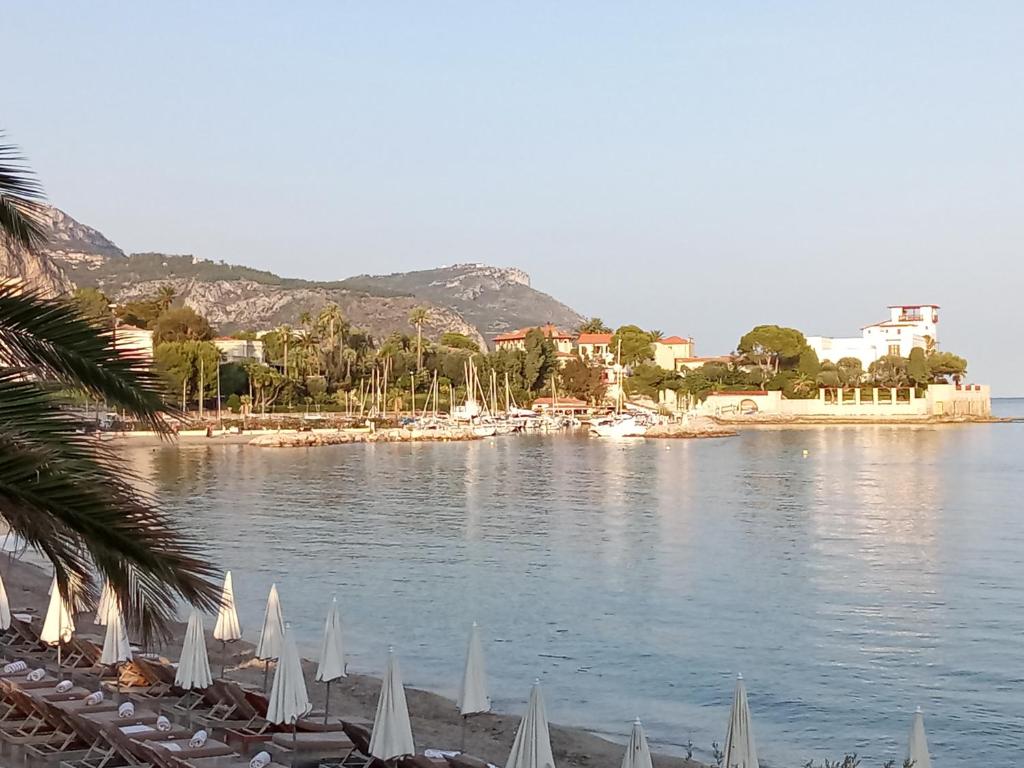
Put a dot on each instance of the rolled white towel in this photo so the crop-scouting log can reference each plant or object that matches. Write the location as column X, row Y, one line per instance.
column 64, row 686
column 36, row 675
column 170, row 746
column 198, row 739
column 260, row 760
column 126, row 710
column 14, row 667
column 163, row 724
column 94, row 698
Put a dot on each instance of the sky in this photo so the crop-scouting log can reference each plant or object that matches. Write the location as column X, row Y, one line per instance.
column 699, row 168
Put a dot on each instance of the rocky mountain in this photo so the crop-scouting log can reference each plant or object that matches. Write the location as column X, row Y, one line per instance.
column 493, row 299
column 477, row 300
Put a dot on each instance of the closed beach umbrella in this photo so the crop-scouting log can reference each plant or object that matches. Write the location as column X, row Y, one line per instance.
column 740, row 751
column 5, row 608
column 194, row 665
column 638, row 754
column 917, row 751
column 288, row 698
column 532, row 745
column 227, row 629
column 392, row 731
column 271, row 633
column 473, row 696
column 116, row 647
column 58, row 627
column 104, row 606
column 331, row 664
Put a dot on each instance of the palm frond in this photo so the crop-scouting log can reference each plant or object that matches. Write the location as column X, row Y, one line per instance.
column 53, row 341
column 21, row 199
column 63, row 493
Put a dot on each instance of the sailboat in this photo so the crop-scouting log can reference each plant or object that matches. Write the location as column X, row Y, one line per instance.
column 619, row 424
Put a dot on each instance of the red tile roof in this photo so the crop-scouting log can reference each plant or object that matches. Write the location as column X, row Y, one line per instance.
column 594, row 338
column 675, row 340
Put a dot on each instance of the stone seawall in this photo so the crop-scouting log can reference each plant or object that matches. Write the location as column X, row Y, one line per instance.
column 343, row 437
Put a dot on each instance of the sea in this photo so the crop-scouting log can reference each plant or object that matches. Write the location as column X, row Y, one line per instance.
column 850, row 573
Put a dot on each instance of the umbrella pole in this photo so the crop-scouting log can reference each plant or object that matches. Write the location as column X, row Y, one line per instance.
column 223, row 656
column 266, row 673
column 327, row 701
column 462, row 747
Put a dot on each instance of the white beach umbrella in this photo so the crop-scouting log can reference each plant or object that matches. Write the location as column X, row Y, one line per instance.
column 638, row 754
column 106, row 596
column 116, row 647
column 59, row 626
column 194, row 665
column 740, row 751
column 331, row 663
column 227, row 628
column 917, row 750
column 392, row 731
column 532, row 745
column 473, row 696
column 5, row 608
column 272, row 632
column 288, row 698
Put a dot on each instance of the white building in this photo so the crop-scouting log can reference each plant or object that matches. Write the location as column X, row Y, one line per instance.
column 135, row 341
column 908, row 326
column 239, row 350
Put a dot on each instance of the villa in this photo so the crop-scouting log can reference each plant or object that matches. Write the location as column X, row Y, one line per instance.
column 563, row 340
column 239, row 350
column 596, row 347
column 670, row 351
column 909, row 326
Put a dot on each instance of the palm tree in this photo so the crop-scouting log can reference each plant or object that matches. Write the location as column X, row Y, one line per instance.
column 60, row 491
column 285, row 334
column 165, row 296
column 417, row 317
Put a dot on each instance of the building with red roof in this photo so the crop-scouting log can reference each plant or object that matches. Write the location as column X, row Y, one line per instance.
column 517, row 339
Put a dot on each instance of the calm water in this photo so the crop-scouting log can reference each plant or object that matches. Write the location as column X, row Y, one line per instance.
column 883, row 570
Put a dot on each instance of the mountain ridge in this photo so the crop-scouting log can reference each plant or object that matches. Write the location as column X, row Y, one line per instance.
column 475, row 299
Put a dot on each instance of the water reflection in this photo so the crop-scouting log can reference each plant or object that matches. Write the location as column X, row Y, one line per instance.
column 881, row 570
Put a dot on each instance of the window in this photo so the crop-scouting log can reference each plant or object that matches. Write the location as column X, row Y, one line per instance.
column 894, row 349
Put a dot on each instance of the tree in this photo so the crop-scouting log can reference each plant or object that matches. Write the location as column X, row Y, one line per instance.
column 943, row 364
column 804, row 384
column 539, row 361
column 93, row 305
column 181, row 324
column 769, row 346
column 418, row 316
column 917, row 367
column 141, row 314
column 593, row 325
column 60, row 491
column 188, row 366
column 850, row 371
column 586, row 382
column 267, row 385
column 165, row 296
column 635, row 344
column 889, row 371
column 807, row 363
column 234, row 403
column 459, row 341
column 649, row 380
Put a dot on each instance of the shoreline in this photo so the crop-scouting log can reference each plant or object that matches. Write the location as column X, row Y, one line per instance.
column 436, row 723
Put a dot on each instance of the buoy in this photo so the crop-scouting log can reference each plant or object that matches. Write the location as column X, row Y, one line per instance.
column 806, row 453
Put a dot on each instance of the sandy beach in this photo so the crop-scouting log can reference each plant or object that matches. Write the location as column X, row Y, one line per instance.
column 435, row 719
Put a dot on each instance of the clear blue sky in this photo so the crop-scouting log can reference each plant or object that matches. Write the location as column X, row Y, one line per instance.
column 693, row 167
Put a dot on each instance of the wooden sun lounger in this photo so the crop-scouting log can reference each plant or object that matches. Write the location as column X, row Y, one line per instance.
column 22, row 639
column 112, row 745
column 163, row 757
column 46, row 731
column 227, row 761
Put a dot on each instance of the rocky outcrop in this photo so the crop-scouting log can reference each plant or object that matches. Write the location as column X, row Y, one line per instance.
column 35, row 269
column 694, row 427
